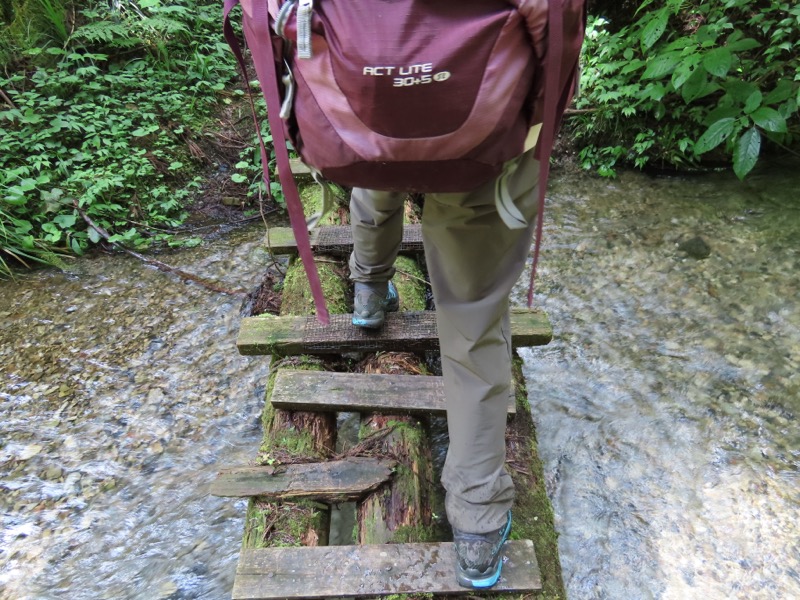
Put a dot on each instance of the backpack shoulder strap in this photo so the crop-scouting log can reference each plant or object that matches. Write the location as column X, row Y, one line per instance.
column 557, row 93
column 267, row 74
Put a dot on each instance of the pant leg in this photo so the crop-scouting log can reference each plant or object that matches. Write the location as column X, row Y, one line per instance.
column 474, row 260
column 376, row 219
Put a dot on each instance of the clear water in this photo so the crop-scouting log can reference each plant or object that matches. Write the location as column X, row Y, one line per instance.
column 122, row 395
column 666, row 406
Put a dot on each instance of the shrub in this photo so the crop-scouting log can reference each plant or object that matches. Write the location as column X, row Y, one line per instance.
column 690, row 81
column 104, row 121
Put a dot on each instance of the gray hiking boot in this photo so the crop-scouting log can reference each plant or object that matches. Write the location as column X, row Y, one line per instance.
column 372, row 302
column 479, row 557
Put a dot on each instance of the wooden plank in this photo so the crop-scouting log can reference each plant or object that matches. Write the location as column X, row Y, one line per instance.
column 335, row 480
column 372, row 570
column 357, row 392
column 403, row 331
column 336, row 240
column 298, row 167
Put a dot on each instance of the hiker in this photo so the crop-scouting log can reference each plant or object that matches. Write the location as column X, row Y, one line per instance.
column 474, row 259
column 451, row 99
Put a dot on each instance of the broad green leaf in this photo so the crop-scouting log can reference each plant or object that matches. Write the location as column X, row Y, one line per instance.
column 661, row 65
column 718, row 61
column 746, row 152
column 742, row 45
column 695, row 87
column 721, row 112
column 93, row 235
column 65, row 221
column 654, row 29
column 783, row 91
column 739, row 91
column 684, row 70
column 753, row 102
column 769, row 119
column 715, row 135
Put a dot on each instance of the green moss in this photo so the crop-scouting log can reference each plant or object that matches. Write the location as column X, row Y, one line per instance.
column 410, row 283
column 272, row 524
column 533, row 512
column 297, row 298
column 408, row 534
column 290, row 441
column 311, row 197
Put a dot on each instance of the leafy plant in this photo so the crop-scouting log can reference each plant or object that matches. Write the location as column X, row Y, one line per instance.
column 104, row 124
column 688, row 81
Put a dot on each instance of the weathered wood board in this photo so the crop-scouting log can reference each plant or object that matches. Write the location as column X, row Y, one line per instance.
column 334, row 480
column 403, row 331
column 372, row 570
column 336, row 240
column 358, row 392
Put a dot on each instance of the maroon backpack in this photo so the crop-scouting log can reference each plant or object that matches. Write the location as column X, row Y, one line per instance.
column 410, row 95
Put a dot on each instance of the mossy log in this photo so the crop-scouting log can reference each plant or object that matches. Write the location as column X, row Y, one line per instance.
column 401, row 511
column 533, row 512
column 294, row 436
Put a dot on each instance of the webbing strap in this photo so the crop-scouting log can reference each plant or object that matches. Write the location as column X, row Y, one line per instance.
column 552, row 91
column 267, row 75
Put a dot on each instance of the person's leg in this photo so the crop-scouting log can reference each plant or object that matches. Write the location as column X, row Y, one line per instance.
column 376, row 220
column 474, row 260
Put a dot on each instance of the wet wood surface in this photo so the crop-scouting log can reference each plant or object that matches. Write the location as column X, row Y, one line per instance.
column 358, row 392
column 369, row 571
column 405, row 331
column 336, row 240
column 333, row 481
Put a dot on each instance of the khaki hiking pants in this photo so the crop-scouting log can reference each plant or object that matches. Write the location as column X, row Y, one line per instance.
column 473, row 260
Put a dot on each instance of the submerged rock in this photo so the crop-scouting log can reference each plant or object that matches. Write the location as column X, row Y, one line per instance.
column 695, row 247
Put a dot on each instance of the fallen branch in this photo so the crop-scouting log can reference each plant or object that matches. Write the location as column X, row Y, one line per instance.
column 579, row 111
column 6, row 99
column 161, row 266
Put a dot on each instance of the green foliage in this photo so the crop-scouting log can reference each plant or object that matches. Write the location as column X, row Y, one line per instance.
column 104, row 121
column 689, row 81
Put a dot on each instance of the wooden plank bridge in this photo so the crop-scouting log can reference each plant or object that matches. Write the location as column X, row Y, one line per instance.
column 368, row 570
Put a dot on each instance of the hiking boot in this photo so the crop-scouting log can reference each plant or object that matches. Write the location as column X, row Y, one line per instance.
column 372, row 302
column 479, row 558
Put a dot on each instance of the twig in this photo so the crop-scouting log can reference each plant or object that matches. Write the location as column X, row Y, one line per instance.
column 580, row 111
column 161, row 266
column 6, row 99
column 789, row 150
column 413, row 277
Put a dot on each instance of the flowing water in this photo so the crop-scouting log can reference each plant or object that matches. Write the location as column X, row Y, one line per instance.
column 122, row 394
column 667, row 403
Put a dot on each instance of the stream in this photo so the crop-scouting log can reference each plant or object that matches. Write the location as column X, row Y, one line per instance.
column 666, row 404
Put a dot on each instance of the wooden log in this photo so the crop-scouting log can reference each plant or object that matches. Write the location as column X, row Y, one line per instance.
column 375, row 570
column 401, row 511
column 406, row 331
column 358, row 392
column 291, row 437
column 333, row 481
column 533, row 512
column 336, row 240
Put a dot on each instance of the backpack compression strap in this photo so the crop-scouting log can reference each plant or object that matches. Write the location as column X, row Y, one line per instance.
column 552, row 92
column 269, row 85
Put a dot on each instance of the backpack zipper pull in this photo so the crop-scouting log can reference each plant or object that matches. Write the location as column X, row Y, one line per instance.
column 283, row 16
column 305, row 9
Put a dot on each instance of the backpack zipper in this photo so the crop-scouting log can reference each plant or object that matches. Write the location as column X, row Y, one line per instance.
column 305, row 10
column 304, row 13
